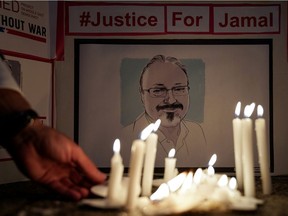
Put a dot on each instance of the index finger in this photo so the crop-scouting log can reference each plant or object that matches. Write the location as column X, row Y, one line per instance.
column 88, row 168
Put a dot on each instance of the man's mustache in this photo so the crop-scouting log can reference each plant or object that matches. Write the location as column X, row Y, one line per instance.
column 169, row 106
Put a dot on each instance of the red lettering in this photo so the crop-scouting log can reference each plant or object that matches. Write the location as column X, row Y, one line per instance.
column 174, row 18
column 187, row 20
column 144, row 23
column 152, row 21
column 126, row 20
column 119, row 21
column 246, row 21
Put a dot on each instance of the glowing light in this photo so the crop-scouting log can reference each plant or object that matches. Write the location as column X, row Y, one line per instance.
column 238, row 109
column 249, row 110
column 171, row 153
column 116, row 146
column 156, row 125
column 233, row 183
column 223, row 181
column 147, row 131
column 198, row 176
column 187, row 183
column 211, row 170
column 260, row 111
column 212, row 160
column 176, row 182
column 161, row 193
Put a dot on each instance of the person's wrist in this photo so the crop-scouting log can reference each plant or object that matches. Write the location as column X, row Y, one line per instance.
column 14, row 123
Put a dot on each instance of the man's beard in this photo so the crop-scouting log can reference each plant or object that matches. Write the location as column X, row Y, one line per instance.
column 170, row 119
column 170, row 116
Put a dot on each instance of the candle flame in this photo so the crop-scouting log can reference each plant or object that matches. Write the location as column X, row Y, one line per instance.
column 171, row 153
column 249, row 110
column 233, row 183
column 238, row 109
column 147, row 131
column 116, row 146
column 211, row 171
column 223, row 181
column 212, row 160
column 198, row 176
column 260, row 110
column 161, row 193
column 156, row 125
column 176, row 182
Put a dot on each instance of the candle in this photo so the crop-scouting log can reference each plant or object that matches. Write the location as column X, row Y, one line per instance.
column 223, row 181
column 233, row 183
column 247, row 152
column 116, row 173
column 170, row 164
column 210, row 178
column 198, row 176
column 149, row 161
column 237, row 136
column 135, row 171
column 260, row 127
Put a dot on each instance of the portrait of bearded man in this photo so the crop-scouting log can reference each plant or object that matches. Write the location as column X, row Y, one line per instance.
column 164, row 89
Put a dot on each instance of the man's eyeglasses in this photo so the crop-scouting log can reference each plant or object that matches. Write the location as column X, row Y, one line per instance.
column 162, row 92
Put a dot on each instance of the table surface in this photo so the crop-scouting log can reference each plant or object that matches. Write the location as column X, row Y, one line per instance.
column 30, row 199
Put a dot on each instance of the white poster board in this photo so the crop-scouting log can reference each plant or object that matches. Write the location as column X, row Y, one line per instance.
column 107, row 96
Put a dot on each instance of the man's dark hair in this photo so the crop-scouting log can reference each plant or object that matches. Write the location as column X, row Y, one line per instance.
column 163, row 59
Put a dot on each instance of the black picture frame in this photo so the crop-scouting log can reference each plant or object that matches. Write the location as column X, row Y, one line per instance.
column 265, row 81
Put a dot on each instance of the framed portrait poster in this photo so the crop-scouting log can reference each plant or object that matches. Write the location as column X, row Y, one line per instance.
column 122, row 85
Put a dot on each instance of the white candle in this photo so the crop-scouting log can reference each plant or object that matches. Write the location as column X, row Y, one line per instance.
column 170, row 164
column 260, row 127
column 116, row 173
column 237, row 137
column 210, row 177
column 149, row 161
column 135, row 171
column 233, row 183
column 247, row 153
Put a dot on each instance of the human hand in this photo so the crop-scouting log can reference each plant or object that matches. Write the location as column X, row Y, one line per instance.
column 52, row 159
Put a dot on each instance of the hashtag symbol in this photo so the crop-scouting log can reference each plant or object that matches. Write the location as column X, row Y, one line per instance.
column 85, row 18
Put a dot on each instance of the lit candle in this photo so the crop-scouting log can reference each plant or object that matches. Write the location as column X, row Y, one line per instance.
column 260, row 127
column 176, row 182
column 187, row 184
column 247, row 152
column 221, row 193
column 223, row 181
column 211, row 178
column 198, row 176
column 212, row 160
column 237, row 136
column 170, row 164
column 233, row 183
column 116, row 173
column 149, row 161
column 161, row 193
column 135, row 171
